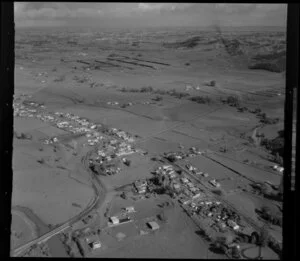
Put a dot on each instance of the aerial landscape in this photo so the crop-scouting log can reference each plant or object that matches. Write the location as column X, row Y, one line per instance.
column 147, row 142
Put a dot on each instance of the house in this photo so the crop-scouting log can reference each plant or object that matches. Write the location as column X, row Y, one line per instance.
column 214, row 183
column 176, row 186
column 167, row 167
column 93, row 242
column 95, row 245
column 153, row 225
column 197, row 195
column 124, row 220
column 173, row 176
column 184, row 180
column 141, row 190
column 193, row 189
column 232, row 224
column 114, row 220
column 130, row 209
column 140, row 183
column 184, row 201
column 190, row 184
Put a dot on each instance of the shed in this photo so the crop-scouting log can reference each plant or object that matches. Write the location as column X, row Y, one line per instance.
column 130, row 209
column 153, row 225
column 94, row 245
column 114, row 220
column 176, row 186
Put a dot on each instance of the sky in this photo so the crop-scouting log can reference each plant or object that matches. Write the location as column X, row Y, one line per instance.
column 132, row 15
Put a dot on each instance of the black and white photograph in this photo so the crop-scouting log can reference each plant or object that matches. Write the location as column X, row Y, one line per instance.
column 148, row 130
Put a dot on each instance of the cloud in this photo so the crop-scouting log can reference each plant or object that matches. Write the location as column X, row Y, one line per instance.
column 147, row 14
column 157, row 7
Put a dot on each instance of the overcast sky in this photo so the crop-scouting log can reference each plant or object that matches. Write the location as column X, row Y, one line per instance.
column 148, row 14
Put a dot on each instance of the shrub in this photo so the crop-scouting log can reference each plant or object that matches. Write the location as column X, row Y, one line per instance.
column 242, row 109
column 123, row 195
column 146, row 89
column 266, row 120
column 60, row 78
column 218, row 192
column 127, row 162
column 233, row 101
column 177, row 94
column 200, row 99
column 257, row 110
column 162, row 217
column 276, row 146
column 162, row 92
column 157, row 98
column 211, row 83
column 41, row 161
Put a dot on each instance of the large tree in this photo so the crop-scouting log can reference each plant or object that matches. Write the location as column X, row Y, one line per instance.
column 263, row 239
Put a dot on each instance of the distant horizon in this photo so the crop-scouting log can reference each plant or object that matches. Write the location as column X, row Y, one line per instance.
column 247, row 28
column 141, row 15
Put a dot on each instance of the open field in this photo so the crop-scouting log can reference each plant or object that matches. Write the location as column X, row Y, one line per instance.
column 158, row 88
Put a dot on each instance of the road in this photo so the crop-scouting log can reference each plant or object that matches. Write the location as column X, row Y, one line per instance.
column 99, row 189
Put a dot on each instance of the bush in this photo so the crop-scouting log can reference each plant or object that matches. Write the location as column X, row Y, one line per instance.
column 200, row 99
column 257, row 110
column 233, row 101
column 242, row 109
column 266, row 120
column 157, row 98
column 162, row 92
column 41, row 161
column 177, row 94
column 162, row 217
column 211, row 83
column 146, row 89
column 60, row 78
column 127, row 162
column 23, row 136
column 217, row 192
column 276, row 146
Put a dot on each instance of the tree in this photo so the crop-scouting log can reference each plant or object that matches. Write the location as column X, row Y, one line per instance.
column 263, row 239
column 254, row 237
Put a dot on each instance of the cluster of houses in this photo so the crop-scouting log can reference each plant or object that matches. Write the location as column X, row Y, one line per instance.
column 122, row 135
column 278, row 168
column 141, row 186
column 192, row 197
column 124, row 216
column 108, row 157
column 127, row 215
column 69, row 122
column 178, row 155
column 195, row 171
column 26, row 111
column 113, row 103
column 214, row 214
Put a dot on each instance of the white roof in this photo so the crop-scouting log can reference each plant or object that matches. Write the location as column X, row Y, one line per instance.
column 153, row 225
column 114, row 219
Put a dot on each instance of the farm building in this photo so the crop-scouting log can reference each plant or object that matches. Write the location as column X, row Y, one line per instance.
column 153, row 225
column 114, row 220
